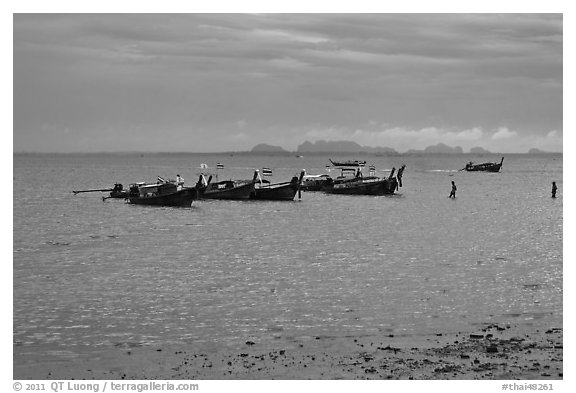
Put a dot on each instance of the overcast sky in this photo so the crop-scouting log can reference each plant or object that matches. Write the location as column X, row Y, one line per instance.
column 224, row 82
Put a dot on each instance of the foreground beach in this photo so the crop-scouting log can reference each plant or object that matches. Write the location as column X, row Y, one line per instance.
column 492, row 352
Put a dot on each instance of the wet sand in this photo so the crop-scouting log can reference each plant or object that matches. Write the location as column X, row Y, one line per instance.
column 501, row 352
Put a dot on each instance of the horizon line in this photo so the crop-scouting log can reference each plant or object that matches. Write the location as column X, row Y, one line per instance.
column 284, row 152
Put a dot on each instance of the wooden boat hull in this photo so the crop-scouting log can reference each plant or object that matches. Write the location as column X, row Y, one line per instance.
column 316, row 184
column 280, row 193
column 227, row 189
column 349, row 163
column 379, row 187
column 485, row 167
column 119, row 194
column 314, row 187
column 236, row 193
column 493, row 168
column 183, row 197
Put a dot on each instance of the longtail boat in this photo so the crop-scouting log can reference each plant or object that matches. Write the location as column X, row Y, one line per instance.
column 161, row 194
column 278, row 191
column 315, row 182
column 369, row 185
column 227, row 189
column 485, row 167
column 350, row 163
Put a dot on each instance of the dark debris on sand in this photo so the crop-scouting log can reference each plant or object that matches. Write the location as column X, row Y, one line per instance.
column 493, row 352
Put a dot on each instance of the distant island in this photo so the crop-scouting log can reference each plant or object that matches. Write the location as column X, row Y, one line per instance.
column 349, row 147
column 479, row 150
column 264, row 148
column 342, row 147
column 440, row 148
column 537, row 151
column 325, row 147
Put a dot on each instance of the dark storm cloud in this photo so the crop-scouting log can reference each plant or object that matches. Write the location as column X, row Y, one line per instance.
column 284, row 77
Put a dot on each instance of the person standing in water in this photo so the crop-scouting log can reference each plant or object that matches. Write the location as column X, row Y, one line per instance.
column 453, row 192
column 554, row 189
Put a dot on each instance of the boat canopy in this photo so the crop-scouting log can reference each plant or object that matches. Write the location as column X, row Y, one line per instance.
column 315, row 177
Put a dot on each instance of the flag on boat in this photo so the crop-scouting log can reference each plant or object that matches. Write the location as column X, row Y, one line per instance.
column 219, row 166
column 266, row 172
column 161, row 180
column 203, row 166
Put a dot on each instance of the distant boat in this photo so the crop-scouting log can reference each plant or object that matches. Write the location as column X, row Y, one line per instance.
column 360, row 185
column 279, row 191
column 161, row 194
column 485, row 167
column 227, row 189
column 315, row 182
column 352, row 163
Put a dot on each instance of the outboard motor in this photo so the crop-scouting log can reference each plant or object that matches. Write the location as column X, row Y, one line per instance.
column 134, row 191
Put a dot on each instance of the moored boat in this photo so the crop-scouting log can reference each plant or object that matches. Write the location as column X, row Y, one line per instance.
column 161, row 194
column 349, row 163
column 227, row 189
column 485, row 167
column 315, row 182
column 277, row 191
column 369, row 185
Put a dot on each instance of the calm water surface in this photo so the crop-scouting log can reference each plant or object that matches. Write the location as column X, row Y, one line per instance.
column 108, row 274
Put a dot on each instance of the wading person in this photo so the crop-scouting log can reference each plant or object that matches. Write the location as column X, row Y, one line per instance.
column 453, row 192
column 554, row 189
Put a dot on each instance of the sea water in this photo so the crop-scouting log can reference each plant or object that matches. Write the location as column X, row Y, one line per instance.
column 88, row 273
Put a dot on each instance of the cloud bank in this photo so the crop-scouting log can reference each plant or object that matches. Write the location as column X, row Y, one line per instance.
column 106, row 82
